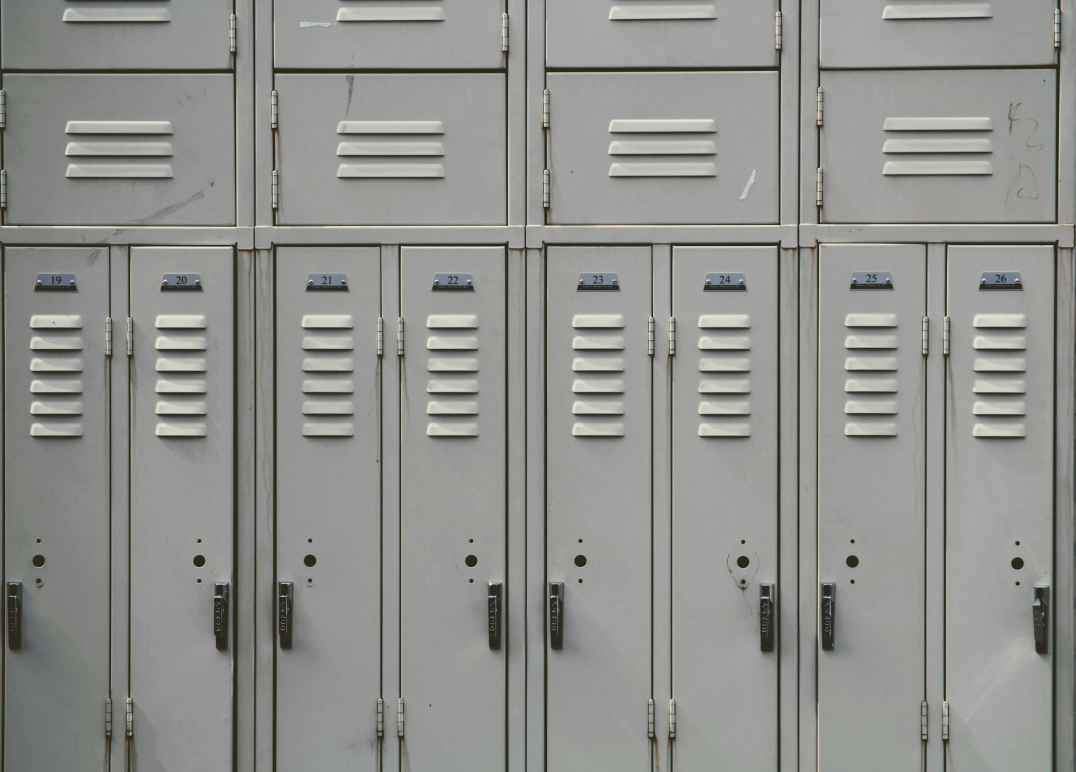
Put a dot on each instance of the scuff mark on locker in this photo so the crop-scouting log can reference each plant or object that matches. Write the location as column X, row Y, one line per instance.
column 350, row 93
column 750, row 184
column 171, row 209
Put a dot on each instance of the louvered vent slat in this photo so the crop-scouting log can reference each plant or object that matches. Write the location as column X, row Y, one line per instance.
column 685, row 147
column 327, row 405
column 599, row 342
column 936, row 146
column 1000, row 362
column 56, row 386
column 871, row 405
column 725, row 386
column 391, row 150
column 181, row 408
column 452, row 361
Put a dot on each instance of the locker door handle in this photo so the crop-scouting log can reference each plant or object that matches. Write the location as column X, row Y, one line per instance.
column 767, row 617
column 556, row 615
column 1040, row 617
column 493, row 614
column 14, row 615
column 829, row 616
column 221, row 593
column 285, row 604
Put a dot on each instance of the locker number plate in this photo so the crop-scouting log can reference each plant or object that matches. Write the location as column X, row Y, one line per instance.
column 998, row 280
column 181, row 282
column 56, row 282
column 872, row 280
column 326, row 282
column 459, row 282
column 596, row 282
column 716, row 282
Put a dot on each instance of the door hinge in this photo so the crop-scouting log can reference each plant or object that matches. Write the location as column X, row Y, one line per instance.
column 276, row 190
column 3, row 108
column 945, row 722
column 672, row 336
column 108, row 336
column 399, row 336
column 130, row 336
column 818, row 178
column 547, row 180
column 779, row 31
column 505, row 33
column 108, row 717
column 547, row 107
column 651, row 336
column 400, row 718
column 1057, row 28
column 924, row 721
column 129, row 718
column 3, row 188
column 672, row 719
column 651, row 720
column 233, row 34
column 947, row 326
column 380, row 725
column 926, row 337
column 274, row 109
column 820, row 108
column 380, row 336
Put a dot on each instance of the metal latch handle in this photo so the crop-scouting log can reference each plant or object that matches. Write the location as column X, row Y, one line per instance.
column 556, row 615
column 221, row 596
column 494, row 599
column 767, row 617
column 285, row 607
column 14, row 615
column 1040, row 617
column 829, row 616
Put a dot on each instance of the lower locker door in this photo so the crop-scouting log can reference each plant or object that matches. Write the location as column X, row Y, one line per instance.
column 871, row 506
column 57, row 525
column 724, row 580
column 599, row 512
column 182, row 508
column 999, row 548
column 328, row 509
column 453, row 492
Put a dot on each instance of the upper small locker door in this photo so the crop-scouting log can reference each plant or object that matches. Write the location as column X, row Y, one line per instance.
column 661, row 33
column 116, row 35
column 936, row 33
column 390, row 34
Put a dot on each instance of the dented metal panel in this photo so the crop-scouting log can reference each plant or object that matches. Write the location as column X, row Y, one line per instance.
column 924, row 146
column 453, row 488
column 936, row 33
column 664, row 148
column 1000, row 505
column 57, row 524
column 724, row 504
column 392, row 149
column 661, row 33
column 182, row 506
column 328, row 506
column 120, row 149
column 396, row 34
column 116, row 35
column 871, row 507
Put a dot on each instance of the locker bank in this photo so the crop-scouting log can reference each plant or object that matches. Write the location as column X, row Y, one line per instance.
column 433, row 385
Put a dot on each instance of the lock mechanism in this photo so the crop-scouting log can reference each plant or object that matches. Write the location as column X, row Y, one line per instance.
column 221, row 597
column 285, row 604
column 767, row 617
column 14, row 615
column 829, row 616
column 556, row 615
column 494, row 600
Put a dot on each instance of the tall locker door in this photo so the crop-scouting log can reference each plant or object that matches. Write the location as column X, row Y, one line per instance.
column 453, row 499
column 389, row 34
column 56, row 502
column 871, row 506
column 936, row 33
column 999, row 535
column 658, row 33
column 598, row 508
column 724, row 509
column 328, row 508
column 116, row 35
column 182, row 505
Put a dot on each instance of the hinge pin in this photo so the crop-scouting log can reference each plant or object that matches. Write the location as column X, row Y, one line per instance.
column 945, row 722
column 380, row 718
column 400, row 726
column 130, row 337
column 400, row 336
column 946, row 335
column 926, row 336
column 818, row 200
column 672, row 336
column 651, row 720
column 3, row 188
column 779, row 31
column 672, row 719
column 108, row 717
column 108, row 336
column 276, row 189
column 233, row 34
column 924, row 721
column 380, row 336
column 3, row 109
column 274, row 109
column 651, row 336
column 505, row 33
column 547, row 106
column 1057, row 28
column 547, row 182
column 129, row 713
column 820, row 107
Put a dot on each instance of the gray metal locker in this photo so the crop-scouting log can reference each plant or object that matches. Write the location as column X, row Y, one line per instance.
column 664, row 148
column 182, row 507
column 116, row 35
column 724, row 507
column 120, row 150
column 926, row 146
column 661, row 33
column 328, row 508
column 392, row 149
column 453, row 494
column 389, row 34
column 999, row 525
column 937, row 33
column 598, row 508
column 57, row 524
column 871, row 506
